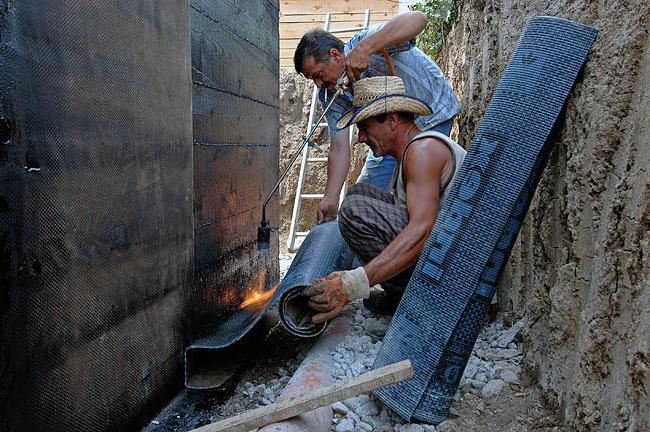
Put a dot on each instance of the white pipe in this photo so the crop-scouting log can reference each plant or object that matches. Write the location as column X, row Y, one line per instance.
column 315, row 372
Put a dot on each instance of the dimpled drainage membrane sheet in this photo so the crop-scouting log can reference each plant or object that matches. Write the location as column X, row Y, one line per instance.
column 444, row 305
column 322, row 252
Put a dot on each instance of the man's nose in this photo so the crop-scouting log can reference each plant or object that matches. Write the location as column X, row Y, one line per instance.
column 361, row 136
column 318, row 82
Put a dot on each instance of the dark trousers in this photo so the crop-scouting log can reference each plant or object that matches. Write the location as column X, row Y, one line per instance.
column 369, row 220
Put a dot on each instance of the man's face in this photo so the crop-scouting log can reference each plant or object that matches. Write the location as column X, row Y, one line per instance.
column 376, row 135
column 324, row 73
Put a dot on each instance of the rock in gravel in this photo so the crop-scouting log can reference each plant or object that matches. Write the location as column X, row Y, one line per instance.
column 509, row 376
column 507, row 337
column 363, row 426
column 375, row 327
column 476, row 384
column 447, row 426
column 411, row 428
column 346, row 425
column 471, row 369
column 356, row 402
column 367, row 409
column 492, row 388
column 481, row 376
column 340, row 408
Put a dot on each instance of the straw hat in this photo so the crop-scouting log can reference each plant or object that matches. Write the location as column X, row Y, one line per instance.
column 379, row 95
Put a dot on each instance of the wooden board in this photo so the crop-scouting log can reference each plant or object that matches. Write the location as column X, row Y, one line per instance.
column 318, row 17
column 297, row 33
column 302, row 6
column 299, row 16
column 293, row 406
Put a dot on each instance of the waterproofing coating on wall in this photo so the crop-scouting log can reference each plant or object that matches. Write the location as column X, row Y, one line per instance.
column 95, row 210
column 453, row 268
column 235, row 55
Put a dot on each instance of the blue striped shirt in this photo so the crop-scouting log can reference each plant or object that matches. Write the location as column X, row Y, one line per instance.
column 422, row 78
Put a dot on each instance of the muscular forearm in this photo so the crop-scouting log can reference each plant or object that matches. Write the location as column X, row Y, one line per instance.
column 402, row 253
column 338, row 164
column 400, row 29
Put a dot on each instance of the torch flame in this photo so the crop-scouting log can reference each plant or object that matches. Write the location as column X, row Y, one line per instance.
column 256, row 297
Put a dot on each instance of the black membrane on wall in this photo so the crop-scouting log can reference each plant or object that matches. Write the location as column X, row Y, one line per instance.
column 95, row 211
column 235, row 96
column 117, row 247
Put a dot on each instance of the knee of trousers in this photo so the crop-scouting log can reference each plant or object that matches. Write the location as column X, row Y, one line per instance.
column 355, row 189
column 348, row 217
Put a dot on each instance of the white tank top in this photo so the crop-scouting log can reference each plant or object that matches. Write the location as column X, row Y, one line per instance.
column 458, row 156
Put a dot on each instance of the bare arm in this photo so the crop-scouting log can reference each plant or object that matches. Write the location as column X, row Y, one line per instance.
column 397, row 30
column 424, row 166
column 338, row 164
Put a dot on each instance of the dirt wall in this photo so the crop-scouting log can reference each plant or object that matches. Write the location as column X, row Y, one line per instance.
column 579, row 272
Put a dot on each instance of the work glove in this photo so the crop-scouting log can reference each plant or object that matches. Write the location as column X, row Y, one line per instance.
column 330, row 294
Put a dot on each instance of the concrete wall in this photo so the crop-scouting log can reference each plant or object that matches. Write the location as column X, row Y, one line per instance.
column 579, row 272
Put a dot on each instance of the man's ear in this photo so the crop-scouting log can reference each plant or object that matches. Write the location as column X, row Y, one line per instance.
column 336, row 55
column 393, row 120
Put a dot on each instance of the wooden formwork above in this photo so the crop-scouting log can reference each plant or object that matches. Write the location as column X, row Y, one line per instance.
column 299, row 16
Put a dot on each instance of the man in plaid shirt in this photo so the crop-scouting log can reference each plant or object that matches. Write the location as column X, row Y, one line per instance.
column 322, row 57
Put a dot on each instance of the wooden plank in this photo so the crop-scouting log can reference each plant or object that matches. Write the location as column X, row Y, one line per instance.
column 298, row 6
column 332, row 13
column 286, row 64
column 286, row 38
column 342, row 17
column 296, row 405
column 297, row 32
column 291, row 44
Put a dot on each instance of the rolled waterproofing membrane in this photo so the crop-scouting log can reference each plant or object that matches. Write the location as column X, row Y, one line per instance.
column 322, row 252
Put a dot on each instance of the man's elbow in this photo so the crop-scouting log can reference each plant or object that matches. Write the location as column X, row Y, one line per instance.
column 419, row 20
column 422, row 231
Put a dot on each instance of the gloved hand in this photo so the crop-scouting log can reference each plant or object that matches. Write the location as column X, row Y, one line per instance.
column 330, row 294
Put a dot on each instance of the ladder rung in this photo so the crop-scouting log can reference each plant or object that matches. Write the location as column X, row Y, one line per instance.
column 312, row 196
column 301, row 233
column 323, row 125
column 324, row 159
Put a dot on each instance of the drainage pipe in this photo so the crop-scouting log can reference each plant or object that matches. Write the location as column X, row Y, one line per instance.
column 315, row 372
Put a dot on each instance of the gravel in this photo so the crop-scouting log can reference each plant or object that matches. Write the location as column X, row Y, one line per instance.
column 493, row 368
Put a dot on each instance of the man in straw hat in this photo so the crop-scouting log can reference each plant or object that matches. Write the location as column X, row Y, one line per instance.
column 322, row 57
column 388, row 231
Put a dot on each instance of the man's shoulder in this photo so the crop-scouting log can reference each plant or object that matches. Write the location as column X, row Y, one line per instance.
column 432, row 143
column 428, row 150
